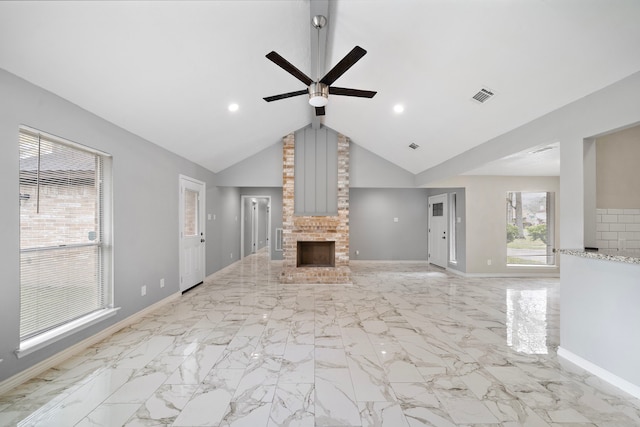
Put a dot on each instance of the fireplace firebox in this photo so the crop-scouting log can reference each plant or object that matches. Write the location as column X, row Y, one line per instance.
column 316, row 254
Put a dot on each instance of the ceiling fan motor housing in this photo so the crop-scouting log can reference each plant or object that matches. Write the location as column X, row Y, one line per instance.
column 318, row 94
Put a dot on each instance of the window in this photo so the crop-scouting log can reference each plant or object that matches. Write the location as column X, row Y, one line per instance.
column 65, row 267
column 530, row 228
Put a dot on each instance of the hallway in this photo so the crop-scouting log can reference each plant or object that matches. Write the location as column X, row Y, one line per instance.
column 406, row 345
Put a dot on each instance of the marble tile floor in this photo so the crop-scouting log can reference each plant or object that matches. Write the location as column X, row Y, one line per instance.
column 406, row 345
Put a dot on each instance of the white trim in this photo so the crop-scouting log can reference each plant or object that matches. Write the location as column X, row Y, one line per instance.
column 395, row 261
column 35, row 370
column 514, row 274
column 44, row 339
column 457, row 272
column 534, row 266
column 599, row 372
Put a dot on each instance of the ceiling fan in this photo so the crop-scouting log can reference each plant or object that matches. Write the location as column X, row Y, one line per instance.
column 319, row 90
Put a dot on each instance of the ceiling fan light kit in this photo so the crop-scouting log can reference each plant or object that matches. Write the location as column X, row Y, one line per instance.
column 318, row 94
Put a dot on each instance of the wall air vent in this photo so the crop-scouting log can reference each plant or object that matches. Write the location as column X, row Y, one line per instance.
column 413, row 145
column 483, row 95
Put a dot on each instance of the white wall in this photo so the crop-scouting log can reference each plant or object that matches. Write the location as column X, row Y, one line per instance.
column 600, row 319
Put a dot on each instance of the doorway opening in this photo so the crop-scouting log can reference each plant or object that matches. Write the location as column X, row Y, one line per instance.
column 255, row 227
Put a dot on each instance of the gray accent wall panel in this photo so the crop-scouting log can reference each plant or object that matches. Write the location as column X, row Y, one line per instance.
column 316, row 171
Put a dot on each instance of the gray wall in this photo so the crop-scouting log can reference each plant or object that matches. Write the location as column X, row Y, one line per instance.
column 376, row 236
column 223, row 242
column 261, row 169
column 145, row 200
column 368, row 170
column 373, row 231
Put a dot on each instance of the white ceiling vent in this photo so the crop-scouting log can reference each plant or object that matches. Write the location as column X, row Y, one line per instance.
column 414, row 145
column 482, row 96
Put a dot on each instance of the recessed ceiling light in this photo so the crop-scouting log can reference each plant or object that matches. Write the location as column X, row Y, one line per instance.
column 233, row 107
column 398, row 108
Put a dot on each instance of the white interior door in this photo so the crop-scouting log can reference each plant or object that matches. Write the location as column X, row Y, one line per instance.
column 438, row 239
column 192, row 232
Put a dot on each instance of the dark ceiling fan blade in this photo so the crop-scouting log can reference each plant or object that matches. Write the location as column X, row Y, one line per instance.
column 351, row 92
column 342, row 66
column 289, row 67
column 319, row 111
column 286, row 95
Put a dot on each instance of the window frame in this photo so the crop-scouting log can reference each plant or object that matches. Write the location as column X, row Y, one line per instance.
column 550, row 211
column 44, row 337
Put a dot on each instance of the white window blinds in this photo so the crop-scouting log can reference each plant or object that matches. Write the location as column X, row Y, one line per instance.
column 62, row 264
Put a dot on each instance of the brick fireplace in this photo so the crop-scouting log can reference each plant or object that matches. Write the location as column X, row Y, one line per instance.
column 324, row 239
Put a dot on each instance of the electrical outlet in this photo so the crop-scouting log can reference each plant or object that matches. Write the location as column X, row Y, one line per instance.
column 357, row 252
column 231, row 255
column 488, row 262
column 143, row 290
column 162, row 282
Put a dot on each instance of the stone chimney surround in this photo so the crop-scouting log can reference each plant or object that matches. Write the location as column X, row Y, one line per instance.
column 315, row 228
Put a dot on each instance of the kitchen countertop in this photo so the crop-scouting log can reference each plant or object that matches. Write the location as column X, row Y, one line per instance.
column 629, row 256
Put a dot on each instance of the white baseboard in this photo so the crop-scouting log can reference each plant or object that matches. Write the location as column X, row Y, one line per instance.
column 35, row 370
column 505, row 275
column 386, row 261
column 599, row 372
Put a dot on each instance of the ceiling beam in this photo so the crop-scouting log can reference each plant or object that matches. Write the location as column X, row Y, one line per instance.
column 318, row 48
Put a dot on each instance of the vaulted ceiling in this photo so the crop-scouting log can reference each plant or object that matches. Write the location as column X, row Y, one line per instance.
column 167, row 71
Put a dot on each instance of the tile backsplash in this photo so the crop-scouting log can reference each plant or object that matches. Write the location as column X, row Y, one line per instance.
column 618, row 228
